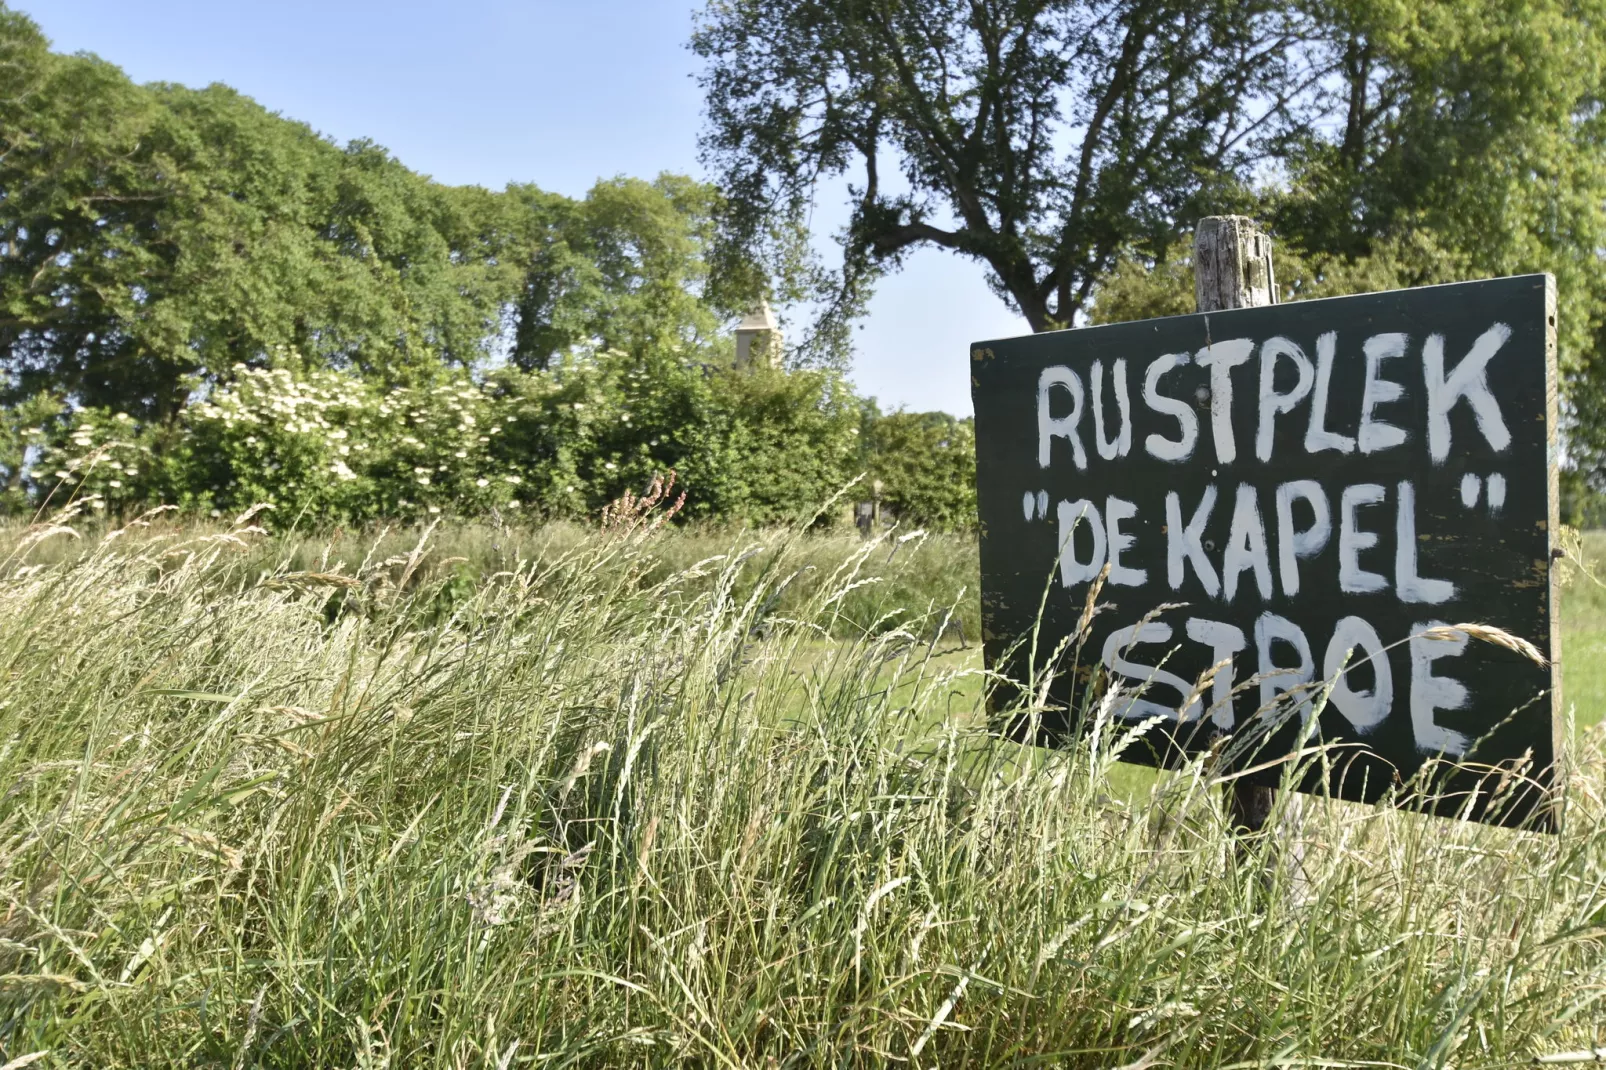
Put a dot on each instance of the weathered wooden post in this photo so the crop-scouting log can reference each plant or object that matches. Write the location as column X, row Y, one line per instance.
column 1232, row 269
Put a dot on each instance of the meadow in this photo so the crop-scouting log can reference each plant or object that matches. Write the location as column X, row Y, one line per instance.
column 481, row 796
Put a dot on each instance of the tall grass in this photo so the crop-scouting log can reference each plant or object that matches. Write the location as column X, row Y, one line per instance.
column 606, row 806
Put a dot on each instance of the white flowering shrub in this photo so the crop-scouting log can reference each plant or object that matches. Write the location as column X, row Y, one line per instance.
column 97, row 457
column 329, row 445
column 755, row 444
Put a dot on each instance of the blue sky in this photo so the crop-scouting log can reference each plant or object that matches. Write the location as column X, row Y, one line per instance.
column 492, row 91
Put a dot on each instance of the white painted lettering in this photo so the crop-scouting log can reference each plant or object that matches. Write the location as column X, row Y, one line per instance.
column 1221, row 358
column 1374, row 434
column 1431, row 693
column 1317, row 437
column 1271, row 402
column 1185, row 543
column 1352, row 579
column 1407, row 584
column 1246, row 546
column 1121, row 445
column 1187, row 423
column 1115, row 511
column 1293, row 544
column 1224, row 641
column 1355, row 639
column 1073, row 515
column 1470, row 380
column 1050, row 427
column 1278, row 679
column 1146, row 676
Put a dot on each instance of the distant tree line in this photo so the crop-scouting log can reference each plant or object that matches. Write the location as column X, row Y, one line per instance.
column 205, row 304
column 180, row 269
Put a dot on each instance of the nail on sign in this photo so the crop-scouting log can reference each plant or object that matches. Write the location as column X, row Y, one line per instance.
column 1300, row 493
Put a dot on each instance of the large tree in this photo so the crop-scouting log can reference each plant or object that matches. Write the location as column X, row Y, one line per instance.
column 626, row 268
column 1053, row 139
column 1040, row 137
column 152, row 237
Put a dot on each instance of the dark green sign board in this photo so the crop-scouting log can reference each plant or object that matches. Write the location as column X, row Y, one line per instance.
column 1301, row 487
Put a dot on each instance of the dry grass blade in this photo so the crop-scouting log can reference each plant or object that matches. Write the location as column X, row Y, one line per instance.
column 1090, row 608
column 1203, row 684
column 1489, row 634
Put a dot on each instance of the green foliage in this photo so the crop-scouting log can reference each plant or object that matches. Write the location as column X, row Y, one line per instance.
column 755, row 445
column 926, row 465
column 156, row 236
column 1069, row 145
column 153, row 238
column 624, row 269
column 1141, row 289
column 1473, row 145
column 24, row 428
column 228, row 309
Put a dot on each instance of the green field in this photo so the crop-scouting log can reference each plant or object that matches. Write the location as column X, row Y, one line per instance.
column 561, row 797
column 1583, row 644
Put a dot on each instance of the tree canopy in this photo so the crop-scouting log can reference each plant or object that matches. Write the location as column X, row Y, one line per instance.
column 1055, row 141
column 153, row 237
column 209, row 305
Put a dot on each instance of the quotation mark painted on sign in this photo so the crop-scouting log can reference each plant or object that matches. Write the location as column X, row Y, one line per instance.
column 1472, row 488
column 1034, row 506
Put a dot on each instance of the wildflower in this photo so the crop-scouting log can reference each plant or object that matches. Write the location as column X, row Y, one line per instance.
column 461, row 453
column 515, row 479
column 482, row 482
column 610, row 466
column 434, row 508
column 114, row 483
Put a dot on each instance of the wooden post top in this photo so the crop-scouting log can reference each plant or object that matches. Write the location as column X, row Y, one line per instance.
column 1232, row 264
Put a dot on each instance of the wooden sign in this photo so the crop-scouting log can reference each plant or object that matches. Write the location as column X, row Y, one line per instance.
column 1298, row 493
